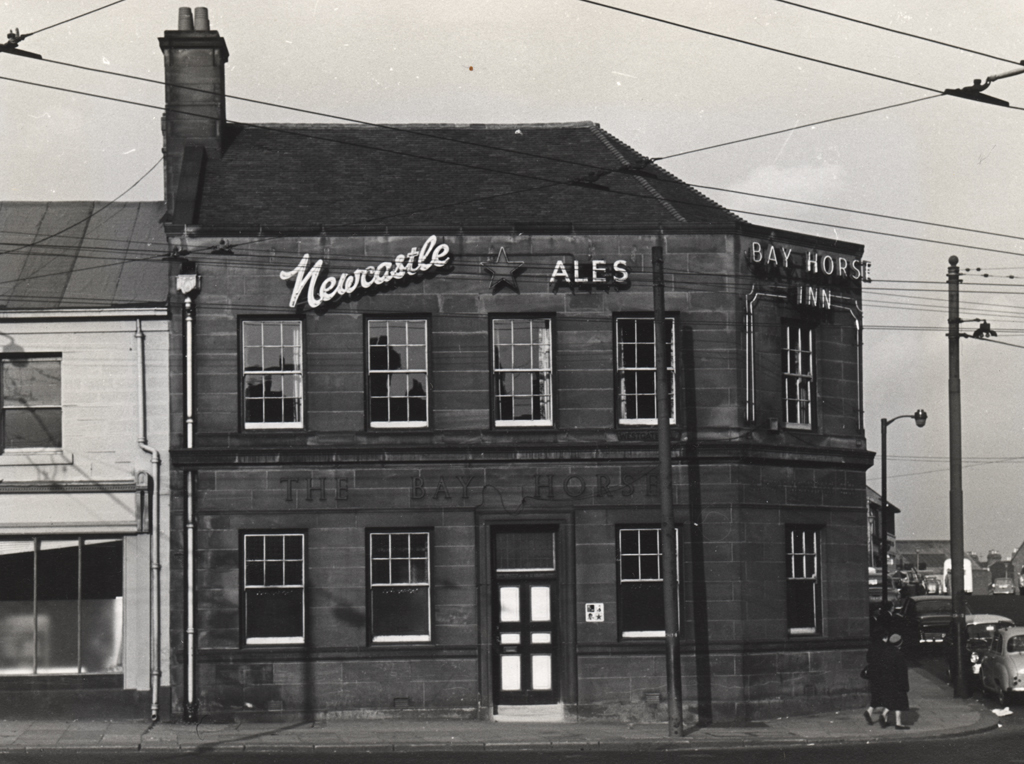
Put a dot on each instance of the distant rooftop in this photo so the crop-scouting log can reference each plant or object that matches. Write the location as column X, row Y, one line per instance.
column 82, row 255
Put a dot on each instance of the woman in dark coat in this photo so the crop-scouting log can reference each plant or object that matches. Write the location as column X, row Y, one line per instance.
column 873, row 670
column 890, row 681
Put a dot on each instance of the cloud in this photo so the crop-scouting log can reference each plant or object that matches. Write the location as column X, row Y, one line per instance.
column 808, row 181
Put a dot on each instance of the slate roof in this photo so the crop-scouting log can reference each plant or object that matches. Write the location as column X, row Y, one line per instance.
column 308, row 176
column 82, row 255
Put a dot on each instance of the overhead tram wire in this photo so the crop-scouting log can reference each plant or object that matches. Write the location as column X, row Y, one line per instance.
column 881, row 215
column 404, row 129
column 792, row 129
column 768, row 48
column 533, row 177
column 73, row 18
column 400, row 128
column 775, row 50
column 900, row 32
column 410, row 130
column 575, row 162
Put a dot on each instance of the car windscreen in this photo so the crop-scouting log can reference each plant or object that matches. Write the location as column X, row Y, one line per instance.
column 932, row 607
column 984, row 630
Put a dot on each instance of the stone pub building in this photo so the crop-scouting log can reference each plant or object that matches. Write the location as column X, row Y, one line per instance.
column 414, row 425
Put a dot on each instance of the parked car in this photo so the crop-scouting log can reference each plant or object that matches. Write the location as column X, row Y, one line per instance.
column 980, row 629
column 1002, row 667
column 1004, row 580
column 927, row 617
column 932, row 584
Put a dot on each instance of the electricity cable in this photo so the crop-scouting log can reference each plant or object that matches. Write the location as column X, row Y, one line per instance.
column 900, row 32
column 762, row 47
column 73, row 18
column 709, row 205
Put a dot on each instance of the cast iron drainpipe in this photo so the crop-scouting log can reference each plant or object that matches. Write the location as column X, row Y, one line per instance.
column 154, row 535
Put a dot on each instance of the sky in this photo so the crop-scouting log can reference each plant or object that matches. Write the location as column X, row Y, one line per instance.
column 939, row 177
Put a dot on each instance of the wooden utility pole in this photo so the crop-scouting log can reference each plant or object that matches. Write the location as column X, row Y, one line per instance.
column 668, row 527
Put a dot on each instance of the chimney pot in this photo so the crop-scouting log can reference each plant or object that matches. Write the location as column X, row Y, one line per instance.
column 184, row 19
column 202, row 20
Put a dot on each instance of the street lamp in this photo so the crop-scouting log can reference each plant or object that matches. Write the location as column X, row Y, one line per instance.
column 919, row 417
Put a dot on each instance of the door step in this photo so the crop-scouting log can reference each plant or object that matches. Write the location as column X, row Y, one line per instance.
column 552, row 712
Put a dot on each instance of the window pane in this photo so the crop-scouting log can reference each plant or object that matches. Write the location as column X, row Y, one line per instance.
column 641, row 607
column 380, row 545
column 274, row 547
column 102, row 576
column 31, row 382
column 798, row 375
column 638, row 369
column 17, row 647
column 397, row 384
column 541, row 665
column 380, row 572
column 399, row 544
column 511, row 673
column 524, row 550
column 400, row 572
column 418, row 544
column 650, row 540
column 540, row 603
column 273, row 613
column 509, row 598
column 629, row 541
column 525, row 395
column 629, row 568
column 32, row 428
column 293, row 547
column 274, row 397
column 802, row 585
column 650, row 567
column 400, row 611
column 102, row 621
column 800, row 610
column 57, row 606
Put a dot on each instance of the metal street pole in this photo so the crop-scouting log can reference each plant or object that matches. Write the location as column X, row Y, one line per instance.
column 920, row 417
column 956, row 493
column 668, row 528
column 884, row 541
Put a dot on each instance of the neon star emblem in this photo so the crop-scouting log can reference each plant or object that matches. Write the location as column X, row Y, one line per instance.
column 503, row 272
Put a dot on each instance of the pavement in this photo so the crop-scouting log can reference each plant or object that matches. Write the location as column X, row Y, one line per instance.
column 934, row 713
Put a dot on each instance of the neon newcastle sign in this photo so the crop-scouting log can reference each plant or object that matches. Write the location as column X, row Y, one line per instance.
column 417, row 262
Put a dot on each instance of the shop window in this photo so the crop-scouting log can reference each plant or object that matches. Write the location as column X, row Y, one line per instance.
column 641, row 603
column 637, row 373
column 399, row 586
column 798, row 376
column 803, row 580
column 521, row 351
column 30, row 410
column 397, row 351
column 272, row 374
column 61, row 605
column 275, row 592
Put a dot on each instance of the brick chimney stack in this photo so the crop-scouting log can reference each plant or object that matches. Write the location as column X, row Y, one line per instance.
column 193, row 123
